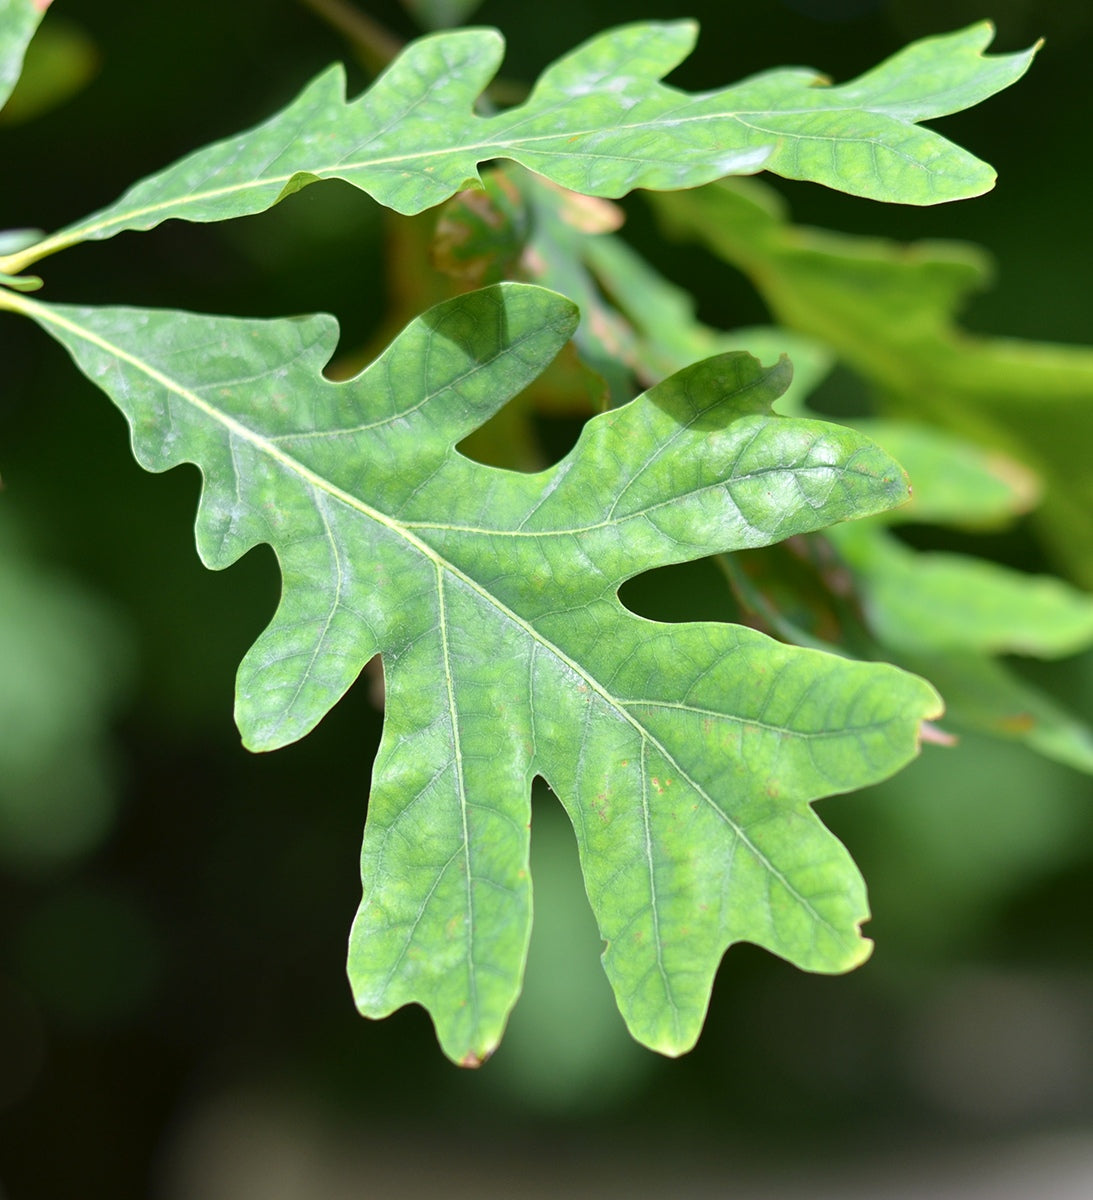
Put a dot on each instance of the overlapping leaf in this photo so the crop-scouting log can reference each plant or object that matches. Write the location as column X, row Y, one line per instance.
column 686, row 755
column 635, row 325
column 598, row 121
column 887, row 310
column 941, row 616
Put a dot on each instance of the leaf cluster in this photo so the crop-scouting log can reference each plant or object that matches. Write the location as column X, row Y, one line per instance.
column 687, row 756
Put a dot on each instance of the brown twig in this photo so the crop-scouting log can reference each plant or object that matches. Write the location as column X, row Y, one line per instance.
column 376, row 44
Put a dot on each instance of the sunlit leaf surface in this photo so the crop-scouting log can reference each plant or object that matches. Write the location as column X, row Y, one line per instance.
column 598, row 121
column 686, row 755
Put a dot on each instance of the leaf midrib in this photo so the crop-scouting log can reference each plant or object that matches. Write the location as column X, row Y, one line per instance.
column 487, row 148
column 260, row 443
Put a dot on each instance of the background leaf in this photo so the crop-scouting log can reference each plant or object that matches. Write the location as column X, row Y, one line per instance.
column 953, row 602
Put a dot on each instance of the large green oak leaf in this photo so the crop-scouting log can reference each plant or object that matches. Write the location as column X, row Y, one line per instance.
column 598, row 121
column 686, row 755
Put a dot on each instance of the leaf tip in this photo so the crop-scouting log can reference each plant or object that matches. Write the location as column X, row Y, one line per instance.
column 988, row 31
column 687, row 26
column 260, row 733
column 472, row 1060
column 20, row 283
column 672, row 1045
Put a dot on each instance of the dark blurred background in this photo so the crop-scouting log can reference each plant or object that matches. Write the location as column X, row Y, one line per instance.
column 174, row 1018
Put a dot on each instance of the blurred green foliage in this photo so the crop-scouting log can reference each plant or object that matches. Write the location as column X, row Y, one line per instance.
column 65, row 666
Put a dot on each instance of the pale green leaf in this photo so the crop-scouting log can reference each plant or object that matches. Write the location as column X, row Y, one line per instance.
column 12, row 240
column 918, row 601
column 18, row 21
column 598, row 121
column 873, row 147
column 686, row 755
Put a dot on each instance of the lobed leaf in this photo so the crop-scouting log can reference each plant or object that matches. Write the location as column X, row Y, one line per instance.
column 685, row 755
column 932, row 614
column 598, row 122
